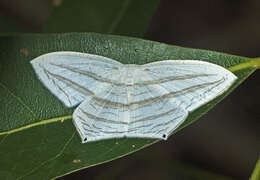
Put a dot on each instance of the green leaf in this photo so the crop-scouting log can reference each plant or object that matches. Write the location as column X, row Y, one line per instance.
column 122, row 17
column 37, row 137
column 256, row 172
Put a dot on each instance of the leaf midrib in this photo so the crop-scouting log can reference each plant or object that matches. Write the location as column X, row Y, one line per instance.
column 43, row 122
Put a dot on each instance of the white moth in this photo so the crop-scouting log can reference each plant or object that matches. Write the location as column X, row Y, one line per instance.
column 127, row 100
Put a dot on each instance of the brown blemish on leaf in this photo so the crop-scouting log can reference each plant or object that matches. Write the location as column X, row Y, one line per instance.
column 76, row 161
column 24, row 51
column 57, row 2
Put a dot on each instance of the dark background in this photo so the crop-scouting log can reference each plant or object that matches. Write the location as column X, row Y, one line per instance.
column 226, row 140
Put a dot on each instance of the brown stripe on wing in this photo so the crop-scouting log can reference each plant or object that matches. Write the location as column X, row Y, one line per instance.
column 90, row 130
column 89, row 74
column 165, row 123
column 155, row 132
column 172, row 78
column 117, row 132
column 69, row 82
column 91, row 116
column 143, row 126
column 116, row 83
column 156, row 116
column 54, row 83
column 149, row 101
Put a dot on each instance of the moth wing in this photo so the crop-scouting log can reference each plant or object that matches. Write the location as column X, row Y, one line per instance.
column 128, row 111
column 155, row 104
column 103, row 116
column 165, row 92
column 73, row 76
column 152, row 114
column 189, row 83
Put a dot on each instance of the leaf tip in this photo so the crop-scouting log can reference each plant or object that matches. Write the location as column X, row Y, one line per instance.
column 257, row 62
column 253, row 63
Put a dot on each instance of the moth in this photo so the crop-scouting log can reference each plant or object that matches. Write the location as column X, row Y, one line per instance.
column 117, row 100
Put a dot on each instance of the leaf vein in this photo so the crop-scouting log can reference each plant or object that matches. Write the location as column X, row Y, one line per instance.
column 51, row 159
column 2, row 141
column 19, row 100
